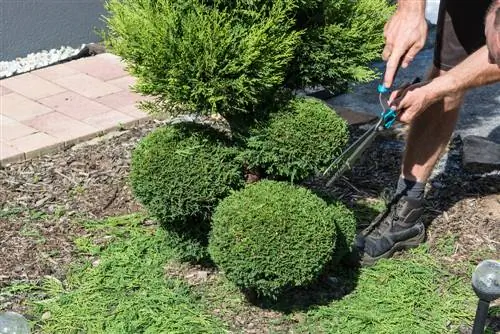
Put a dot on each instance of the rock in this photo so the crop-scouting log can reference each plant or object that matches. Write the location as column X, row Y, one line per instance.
column 480, row 155
column 354, row 117
column 321, row 93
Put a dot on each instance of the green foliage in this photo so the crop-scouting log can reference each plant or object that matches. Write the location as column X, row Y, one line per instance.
column 341, row 37
column 272, row 236
column 297, row 141
column 207, row 58
column 180, row 172
column 125, row 291
column 414, row 294
column 230, row 56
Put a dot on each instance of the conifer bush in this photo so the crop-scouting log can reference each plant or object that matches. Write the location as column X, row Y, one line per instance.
column 180, row 172
column 341, row 37
column 271, row 236
column 229, row 56
column 210, row 59
column 297, row 141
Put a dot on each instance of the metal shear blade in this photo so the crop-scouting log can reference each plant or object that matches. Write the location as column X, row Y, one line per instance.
column 350, row 155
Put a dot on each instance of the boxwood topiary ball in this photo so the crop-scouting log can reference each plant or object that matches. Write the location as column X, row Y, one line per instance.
column 297, row 141
column 180, row 172
column 271, row 236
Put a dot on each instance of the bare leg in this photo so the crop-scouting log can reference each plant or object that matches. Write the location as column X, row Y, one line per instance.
column 429, row 135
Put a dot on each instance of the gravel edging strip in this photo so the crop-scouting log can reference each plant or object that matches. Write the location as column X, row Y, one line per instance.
column 45, row 58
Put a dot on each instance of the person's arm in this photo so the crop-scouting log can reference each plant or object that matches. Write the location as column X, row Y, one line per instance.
column 405, row 34
column 492, row 32
column 473, row 72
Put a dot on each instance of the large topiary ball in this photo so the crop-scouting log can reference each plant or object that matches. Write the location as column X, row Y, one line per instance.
column 297, row 141
column 180, row 172
column 271, row 236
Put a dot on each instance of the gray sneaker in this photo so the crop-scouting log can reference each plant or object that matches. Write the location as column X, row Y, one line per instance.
column 399, row 227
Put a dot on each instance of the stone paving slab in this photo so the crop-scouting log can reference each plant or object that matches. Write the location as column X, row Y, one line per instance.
column 55, row 107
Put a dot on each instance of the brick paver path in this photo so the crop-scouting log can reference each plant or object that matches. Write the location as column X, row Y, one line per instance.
column 55, row 107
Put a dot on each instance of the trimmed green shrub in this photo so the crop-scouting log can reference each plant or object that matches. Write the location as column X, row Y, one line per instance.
column 297, row 141
column 180, row 172
column 208, row 59
column 271, row 236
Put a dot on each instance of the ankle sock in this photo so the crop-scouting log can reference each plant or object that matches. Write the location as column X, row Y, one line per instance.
column 412, row 189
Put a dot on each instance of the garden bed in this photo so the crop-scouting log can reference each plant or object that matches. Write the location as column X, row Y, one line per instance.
column 46, row 202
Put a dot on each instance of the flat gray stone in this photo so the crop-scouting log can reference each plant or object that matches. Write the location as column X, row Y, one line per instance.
column 480, row 155
column 354, row 117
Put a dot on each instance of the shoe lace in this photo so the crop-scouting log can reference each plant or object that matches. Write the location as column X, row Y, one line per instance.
column 390, row 218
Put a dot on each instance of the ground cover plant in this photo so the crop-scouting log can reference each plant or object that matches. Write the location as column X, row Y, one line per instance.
column 130, row 284
column 413, row 294
column 126, row 290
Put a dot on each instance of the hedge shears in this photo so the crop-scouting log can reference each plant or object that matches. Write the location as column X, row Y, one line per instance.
column 387, row 119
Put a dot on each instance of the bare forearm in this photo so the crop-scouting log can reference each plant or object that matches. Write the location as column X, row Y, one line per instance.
column 416, row 6
column 475, row 71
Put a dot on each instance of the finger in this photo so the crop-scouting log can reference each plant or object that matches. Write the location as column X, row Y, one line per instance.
column 410, row 55
column 405, row 109
column 392, row 67
column 407, row 115
column 396, row 103
column 402, row 102
column 387, row 52
column 394, row 95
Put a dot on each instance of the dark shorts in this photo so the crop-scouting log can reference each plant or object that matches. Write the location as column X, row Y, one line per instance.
column 460, row 31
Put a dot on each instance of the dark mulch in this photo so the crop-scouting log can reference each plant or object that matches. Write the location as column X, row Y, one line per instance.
column 42, row 199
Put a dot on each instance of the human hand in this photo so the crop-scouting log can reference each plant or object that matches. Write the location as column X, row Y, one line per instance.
column 411, row 100
column 405, row 34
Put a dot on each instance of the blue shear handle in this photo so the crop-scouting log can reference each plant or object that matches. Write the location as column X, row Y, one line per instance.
column 382, row 90
column 389, row 117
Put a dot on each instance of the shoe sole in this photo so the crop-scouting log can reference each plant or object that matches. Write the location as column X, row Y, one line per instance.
column 368, row 261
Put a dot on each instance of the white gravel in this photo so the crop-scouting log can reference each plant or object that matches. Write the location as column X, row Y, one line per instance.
column 36, row 60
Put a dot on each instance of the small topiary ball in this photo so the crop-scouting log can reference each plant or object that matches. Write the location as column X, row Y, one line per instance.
column 271, row 236
column 297, row 141
column 180, row 172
